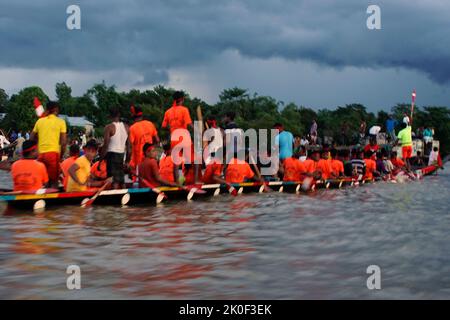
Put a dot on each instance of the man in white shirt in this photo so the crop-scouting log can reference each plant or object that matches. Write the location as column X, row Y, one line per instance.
column 3, row 141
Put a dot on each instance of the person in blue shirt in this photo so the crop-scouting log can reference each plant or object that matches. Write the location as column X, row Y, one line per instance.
column 285, row 142
column 390, row 128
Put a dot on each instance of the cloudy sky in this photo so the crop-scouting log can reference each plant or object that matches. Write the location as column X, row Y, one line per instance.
column 317, row 53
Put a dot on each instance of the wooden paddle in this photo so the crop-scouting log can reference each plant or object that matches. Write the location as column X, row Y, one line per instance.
column 89, row 201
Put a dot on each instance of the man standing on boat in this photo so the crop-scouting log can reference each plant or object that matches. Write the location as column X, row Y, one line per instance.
column 116, row 149
column 405, row 139
column 50, row 133
column 141, row 132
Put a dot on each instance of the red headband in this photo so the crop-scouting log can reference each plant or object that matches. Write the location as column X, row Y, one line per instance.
column 212, row 123
column 29, row 149
column 134, row 112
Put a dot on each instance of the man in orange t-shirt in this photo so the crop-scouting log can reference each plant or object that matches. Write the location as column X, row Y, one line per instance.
column 371, row 165
column 311, row 164
column 337, row 166
column 74, row 152
column 397, row 162
column 178, row 117
column 28, row 174
column 213, row 171
column 324, row 166
column 167, row 168
column 294, row 169
column 141, row 132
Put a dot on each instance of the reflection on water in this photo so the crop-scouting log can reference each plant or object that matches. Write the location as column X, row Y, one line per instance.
column 253, row 246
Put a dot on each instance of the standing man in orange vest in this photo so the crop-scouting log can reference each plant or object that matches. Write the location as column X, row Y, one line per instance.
column 51, row 134
column 141, row 132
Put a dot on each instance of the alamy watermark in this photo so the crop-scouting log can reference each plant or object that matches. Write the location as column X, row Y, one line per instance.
column 374, row 20
column 374, row 280
column 73, row 281
column 73, row 21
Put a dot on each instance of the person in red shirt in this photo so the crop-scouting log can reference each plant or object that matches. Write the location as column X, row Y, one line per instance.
column 337, row 166
column 28, row 174
column 74, row 152
column 141, row 132
column 372, row 146
column 238, row 170
column 149, row 176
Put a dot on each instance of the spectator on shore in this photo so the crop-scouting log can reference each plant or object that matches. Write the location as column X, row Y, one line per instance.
column 313, row 132
column 390, row 128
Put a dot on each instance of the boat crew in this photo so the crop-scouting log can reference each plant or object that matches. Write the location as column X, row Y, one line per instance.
column 311, row 165
column 141, row 132
column 74, row 153
column 293, row 168
column 371, row 165
column 358, row 164
column 80, row 171
column 397, row 162
column 98, row 171
column 372, row 146
column 285, row 142
column 405, row 139
column 116, row 149
column 50, row 134
column 238, row 170
column 167, row 169
column 337, row 166
column 28, row 174
column 178, row 117
column 149, row 176
column 324, row 166
column 213, row 171
column 217, row 142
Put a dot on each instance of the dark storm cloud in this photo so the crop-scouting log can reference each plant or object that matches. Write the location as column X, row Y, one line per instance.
column 152, row 36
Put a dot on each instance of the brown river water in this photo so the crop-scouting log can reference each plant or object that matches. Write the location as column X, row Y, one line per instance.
column 269, row 246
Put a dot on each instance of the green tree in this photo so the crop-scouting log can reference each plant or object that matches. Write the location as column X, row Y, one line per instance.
column 3, row 100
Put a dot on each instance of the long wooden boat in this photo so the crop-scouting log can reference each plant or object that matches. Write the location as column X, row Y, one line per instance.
column 132, row 196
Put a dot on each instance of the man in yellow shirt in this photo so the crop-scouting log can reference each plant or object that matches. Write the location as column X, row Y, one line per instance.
column 50, row 133
column 80, row 171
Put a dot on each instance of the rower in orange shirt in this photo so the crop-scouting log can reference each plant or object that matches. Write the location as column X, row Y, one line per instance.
column 74, row 152
column 324, row 166
column 98, row 171
column 167, row 169
column 141, row 132
column 238, row 170
column 28, row 174
column 336, row 165
column 371, row 165
column 213, row 171
column 311, row 165
column 293, row 168
column 397, row 162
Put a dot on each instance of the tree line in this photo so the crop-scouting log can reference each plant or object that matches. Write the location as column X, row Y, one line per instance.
column 252, row 111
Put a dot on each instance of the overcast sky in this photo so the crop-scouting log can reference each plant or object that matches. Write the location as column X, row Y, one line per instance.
column 317, row 53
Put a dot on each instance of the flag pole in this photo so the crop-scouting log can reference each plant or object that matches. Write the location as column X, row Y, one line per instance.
column 412, row 105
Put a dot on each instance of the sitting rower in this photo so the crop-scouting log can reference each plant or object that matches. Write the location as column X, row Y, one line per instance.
column 397, row 162
column 238, row 170
column 371, row 165
column 293, row 168
column 336, row 165
column 80, row 172
column 74, row 153
column 324, row 166
column 358, row 164
column 311, row 165
column 28, row 174
column 213, row 171
column 167, row 169
column 149, row 176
